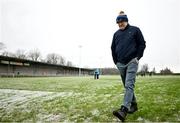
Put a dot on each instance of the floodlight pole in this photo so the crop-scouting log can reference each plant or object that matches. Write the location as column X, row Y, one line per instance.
column 80, row 46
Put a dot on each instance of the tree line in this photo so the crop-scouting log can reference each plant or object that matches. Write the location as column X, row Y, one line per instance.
column 143, row 71
column 35, row 55
column 54, row 58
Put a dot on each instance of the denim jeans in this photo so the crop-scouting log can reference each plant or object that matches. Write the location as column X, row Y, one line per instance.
column 128, row 76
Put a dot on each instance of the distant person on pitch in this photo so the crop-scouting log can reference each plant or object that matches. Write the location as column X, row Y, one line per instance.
column 127, row 48
column 96, row 73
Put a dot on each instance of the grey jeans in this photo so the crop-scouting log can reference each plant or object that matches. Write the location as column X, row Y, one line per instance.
column 128, row 76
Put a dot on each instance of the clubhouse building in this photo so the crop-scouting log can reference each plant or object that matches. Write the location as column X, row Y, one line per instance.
column 10, row 66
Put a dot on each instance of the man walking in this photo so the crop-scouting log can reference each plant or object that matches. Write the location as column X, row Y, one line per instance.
column 127, row 48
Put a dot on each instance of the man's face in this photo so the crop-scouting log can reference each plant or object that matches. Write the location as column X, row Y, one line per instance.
column 122, row 25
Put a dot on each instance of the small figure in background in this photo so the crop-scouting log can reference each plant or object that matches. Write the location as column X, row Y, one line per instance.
column 96, row 73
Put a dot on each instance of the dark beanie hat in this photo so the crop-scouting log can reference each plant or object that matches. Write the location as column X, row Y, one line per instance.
column 122, row 17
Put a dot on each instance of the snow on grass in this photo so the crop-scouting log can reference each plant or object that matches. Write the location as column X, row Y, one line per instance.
column 19, row 97
column 13, row 99
column 95, row 112
column 50, row 117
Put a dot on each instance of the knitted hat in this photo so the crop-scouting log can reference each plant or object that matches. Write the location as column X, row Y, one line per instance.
column 122, row 17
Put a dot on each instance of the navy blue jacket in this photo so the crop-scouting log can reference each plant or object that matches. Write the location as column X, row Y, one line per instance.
column 127, row 44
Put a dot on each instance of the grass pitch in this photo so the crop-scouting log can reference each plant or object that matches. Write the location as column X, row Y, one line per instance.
column 83, row 99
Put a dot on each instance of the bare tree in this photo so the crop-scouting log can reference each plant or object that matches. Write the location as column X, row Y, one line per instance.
column 166, row 71
column 20, row 54
column 52, row 58
column 2, row 46
column 69, row 63
column 154, row 71
column 7, row 53
column 62, row 60
column 34, row 54
column 145, row 68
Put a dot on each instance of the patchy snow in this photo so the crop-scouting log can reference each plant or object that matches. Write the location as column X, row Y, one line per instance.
column 95, row 112
column 140, row 119
column 20, row 97
column 87, row 120
column 12, row 99
column 50, row 117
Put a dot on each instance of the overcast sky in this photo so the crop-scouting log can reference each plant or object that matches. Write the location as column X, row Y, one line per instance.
column 60, row 26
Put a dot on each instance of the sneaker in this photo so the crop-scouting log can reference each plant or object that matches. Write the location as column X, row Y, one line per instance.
column 133, row 108
column 121, row 113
